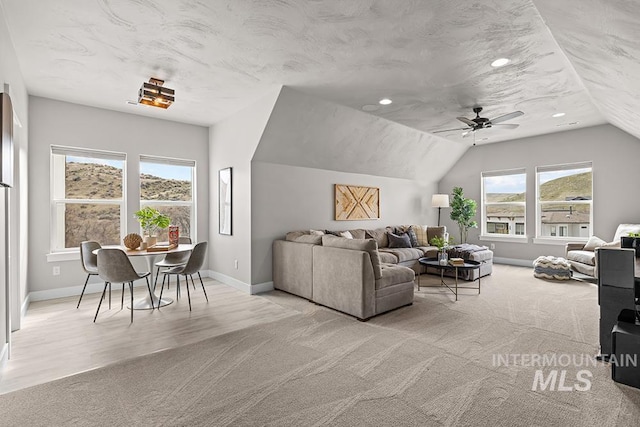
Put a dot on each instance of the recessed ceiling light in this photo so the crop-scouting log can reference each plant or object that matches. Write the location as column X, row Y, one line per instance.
column 385, row 101
column 500, row 62
column 370, row 107
column 558, row 115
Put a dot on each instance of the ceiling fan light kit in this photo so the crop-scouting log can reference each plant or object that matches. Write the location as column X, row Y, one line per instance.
column 155, row 94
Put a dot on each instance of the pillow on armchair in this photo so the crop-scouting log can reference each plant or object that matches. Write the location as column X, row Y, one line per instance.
column 593, row 243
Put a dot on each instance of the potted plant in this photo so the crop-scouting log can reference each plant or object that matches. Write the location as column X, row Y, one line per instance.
column 151, row 220
column 441, row 243
column 463, row 211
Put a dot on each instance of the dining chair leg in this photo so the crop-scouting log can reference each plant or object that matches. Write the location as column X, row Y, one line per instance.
column 109, row 296
column 83, row 288
column 155, row 282
column 131, row 293
column 188, row 292
column 150, row 293
column 161, row 289
column 202, row 284
column 177, row 286
column 122, row 298
column 100, row 303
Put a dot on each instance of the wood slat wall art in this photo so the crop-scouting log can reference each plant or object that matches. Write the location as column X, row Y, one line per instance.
column 356, row 203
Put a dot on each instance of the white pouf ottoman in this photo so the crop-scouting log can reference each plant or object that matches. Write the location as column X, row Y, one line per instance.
column 551, row 267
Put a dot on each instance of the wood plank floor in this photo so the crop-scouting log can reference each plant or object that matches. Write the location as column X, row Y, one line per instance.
column 57, row 340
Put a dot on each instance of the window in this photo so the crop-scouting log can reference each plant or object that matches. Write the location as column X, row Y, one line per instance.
column 167, row 185
column 564, row 200
column 504, row 202
column 87, row 197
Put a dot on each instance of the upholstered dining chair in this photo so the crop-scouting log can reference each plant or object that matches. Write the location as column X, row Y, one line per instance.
column 193, row 266
column 114, row 267
column 89, row 262
column 174, row 259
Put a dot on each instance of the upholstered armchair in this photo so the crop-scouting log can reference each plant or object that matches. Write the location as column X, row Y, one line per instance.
column 582, row 256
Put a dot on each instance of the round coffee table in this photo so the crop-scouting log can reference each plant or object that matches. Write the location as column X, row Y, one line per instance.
column 468, row 265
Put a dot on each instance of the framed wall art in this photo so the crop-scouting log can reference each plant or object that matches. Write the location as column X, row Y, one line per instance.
column 356, row 203
column 224, row 201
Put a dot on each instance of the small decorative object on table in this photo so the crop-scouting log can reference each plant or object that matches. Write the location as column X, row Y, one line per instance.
column 456, row 262
column 150, row 221
column 132, row 241
column 174, row 235
column 441, row 243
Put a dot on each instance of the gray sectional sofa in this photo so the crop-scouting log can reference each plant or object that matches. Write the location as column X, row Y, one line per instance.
column 361, row 276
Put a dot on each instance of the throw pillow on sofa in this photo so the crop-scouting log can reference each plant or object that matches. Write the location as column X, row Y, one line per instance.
column 593, row 243
column 380, row 236
column 399, row 240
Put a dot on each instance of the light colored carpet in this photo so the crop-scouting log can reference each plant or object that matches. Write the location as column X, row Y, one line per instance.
column 427, row 364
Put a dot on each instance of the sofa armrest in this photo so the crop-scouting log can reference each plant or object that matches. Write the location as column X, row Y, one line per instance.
column 293, row 267
column 343, row 279
column 573, row 246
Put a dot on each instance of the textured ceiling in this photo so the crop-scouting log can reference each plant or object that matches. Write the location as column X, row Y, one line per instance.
column 431, row 57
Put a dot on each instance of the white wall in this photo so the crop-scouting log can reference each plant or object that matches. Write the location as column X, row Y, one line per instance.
column 287, row 198
column 12, row 294
column 615, row 179
column 232, row 143
column 61, row 123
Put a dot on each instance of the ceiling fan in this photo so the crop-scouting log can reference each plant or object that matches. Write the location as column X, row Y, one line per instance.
column 478, row 122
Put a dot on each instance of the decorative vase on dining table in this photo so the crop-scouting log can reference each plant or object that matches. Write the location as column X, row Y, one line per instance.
column 150, row 240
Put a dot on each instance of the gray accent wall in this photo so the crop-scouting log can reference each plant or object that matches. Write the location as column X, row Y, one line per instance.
column 288, row 198
column 62, row 123
column 615, row 180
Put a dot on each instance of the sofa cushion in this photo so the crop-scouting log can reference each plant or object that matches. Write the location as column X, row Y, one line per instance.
column 584, row 257
column 358, row 233
column 593, row 243
column 421, row 234
column 413, row 237
column 398, row 240
column 303, row 237
column 394, row 275
column 435, row 232
column 387, row 257
column 367, row 245
column 380, row 234
column 404, row 254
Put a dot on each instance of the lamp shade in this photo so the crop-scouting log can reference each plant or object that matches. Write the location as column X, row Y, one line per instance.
column 440, row 201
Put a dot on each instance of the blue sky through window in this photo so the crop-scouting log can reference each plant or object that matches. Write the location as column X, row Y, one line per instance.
column 505, row 184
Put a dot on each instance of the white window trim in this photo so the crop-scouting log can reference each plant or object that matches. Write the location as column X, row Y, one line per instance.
column 551, row 240
column 484, row 234
column 193, row 203
column 66, row 253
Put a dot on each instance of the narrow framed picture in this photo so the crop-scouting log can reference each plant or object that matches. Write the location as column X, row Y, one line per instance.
column 225, row 201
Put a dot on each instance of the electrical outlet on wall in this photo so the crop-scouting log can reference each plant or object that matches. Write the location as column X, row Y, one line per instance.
column 56, row 270
column 492, row 246
column 235, row 264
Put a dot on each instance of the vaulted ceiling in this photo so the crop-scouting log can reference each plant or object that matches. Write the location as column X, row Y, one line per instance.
column 432, row 58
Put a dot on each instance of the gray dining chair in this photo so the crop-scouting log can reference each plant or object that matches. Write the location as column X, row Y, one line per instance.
column 193, row 266
column 89, row 262
column 174, row 259
column 114, row 267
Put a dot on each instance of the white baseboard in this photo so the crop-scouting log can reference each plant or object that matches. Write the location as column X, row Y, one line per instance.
column 240, row 285
column 513, row 261
column 25, row 306
column 75, row 291
column 4, row 356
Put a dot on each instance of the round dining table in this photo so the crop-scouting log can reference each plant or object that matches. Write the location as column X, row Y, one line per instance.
column 150, row 301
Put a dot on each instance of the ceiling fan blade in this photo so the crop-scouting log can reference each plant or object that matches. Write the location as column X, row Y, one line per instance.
column 506, row 117
column 466, row 121
column 449, row 130
column 506, row 125
column 467, row 133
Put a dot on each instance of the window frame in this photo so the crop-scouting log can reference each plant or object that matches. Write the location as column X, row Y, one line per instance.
column 484, row 233
column 147, row 158
column 558, row 239
column 54, row 168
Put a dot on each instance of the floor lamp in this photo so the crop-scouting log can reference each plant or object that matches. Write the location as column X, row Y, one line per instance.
column 439, row 201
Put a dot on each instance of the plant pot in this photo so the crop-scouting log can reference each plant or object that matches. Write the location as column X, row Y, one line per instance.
column 150, row 240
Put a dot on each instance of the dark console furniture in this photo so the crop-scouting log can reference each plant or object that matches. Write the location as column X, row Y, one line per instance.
column 617, row 286
column 625, row 366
